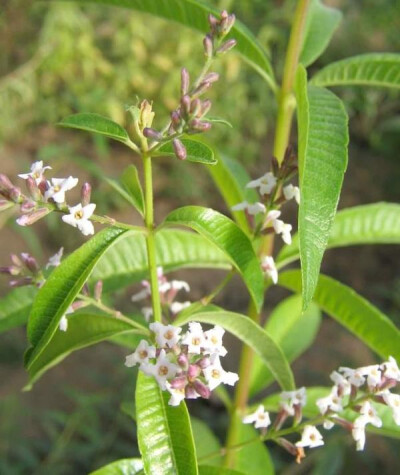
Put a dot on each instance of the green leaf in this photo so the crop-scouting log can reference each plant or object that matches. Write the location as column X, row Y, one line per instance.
column 126, row 262
column 83, row 330
column 205, row 441
column 377, row 223
column 197, row 152
column 219, row 120
column 229, row 238
column 372, row 69
column 121, row 467
column 253, row 458
column 61, row 288
column 211, row 470
column 98, row 124
column 193, row 14
column 231, row 178
column 323, row 140
column 322, row 22
column 164, row 432
column 252, row 335
column 293, row 330
column 15, row 307
column 131, row 183
column 120, row 190
column 352, row 311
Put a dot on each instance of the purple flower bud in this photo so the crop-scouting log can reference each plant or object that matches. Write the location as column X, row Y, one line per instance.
column 202, row 389
column 185, row 105
column 179, row 149
column 185, row 80
column 27, row 206
column 205, row 107
column 152, row 134
column 213, row 22
column 30, row 262
column 193, row 371
column 197, row 125
column 291, row 448
column 183, row 361
column 33, row 188
column 16, row 260
column 204, row 362
column 190, row 393
column 10, row 270
column 195, row 107
column 211, row 77
column 175, row 119
column 201, row 89
column 226, row 23
column 86, row 192
column 21, row 282
column 179, row 382
column 225, row 47
column 208, row 46
column 15, row 194
column 43, row 186
column 78, row 304
column 28, row 219
column 98, row 289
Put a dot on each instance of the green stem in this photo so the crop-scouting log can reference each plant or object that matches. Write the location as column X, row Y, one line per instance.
column 150, row 239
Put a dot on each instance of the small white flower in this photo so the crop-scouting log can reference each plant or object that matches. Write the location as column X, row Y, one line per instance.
column 269, row 267
column 353, row 376
column 63, row 325
column 194, row 338
column 266, row 183
column 260, row 418
column 291, row 191
column 272, row 215
column 341, row 382
column 373, row 373
column 215, row 374
column 166, row 335
column 58, row 187
column 393, row 401
column 177, row 307
column 147, row 313
column 164, row 369
column 358, row 432
column 213, row 343
column 289, row 399
column 327, row 424
column 251, row 208
column 283, row 229
column 142, row 294
column 392, row 370
column 310, row 437
column 37, row 171
column 141, row 355
column 177, row 395
column 55, row 261
column 370, row 414
column 79, row 218
column 174, row 285
column 330, row 403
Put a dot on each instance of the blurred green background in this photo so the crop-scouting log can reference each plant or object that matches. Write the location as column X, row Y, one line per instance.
column 59, row 58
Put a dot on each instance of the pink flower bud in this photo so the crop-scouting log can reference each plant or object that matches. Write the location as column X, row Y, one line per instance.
column 33, row 188
column 185, row 79
column 183, row 361
column 202, row 389
column 98, row 289
column 205, row 107
column 193, row 371
column 225, row 47
column 190, row 393
column 15, row 194
column 197, row 125
column 28, row 219
column 179, row 382
column 179, row 149
column 211, row 77
column 208, row 46
column 86, row 192
column 43, row 186
column 175, row 119
column 27, row 206
column 201, row 89
column 21, row 282
column 152, row 134
column 30, row 262
column 195, row 107
column 204, row 362
column 185, row 105
column 213, row 22
column 5, row 183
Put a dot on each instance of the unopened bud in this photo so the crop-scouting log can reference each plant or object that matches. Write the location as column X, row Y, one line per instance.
column 197, row 125
column 15, row 194
column 190, row 393
column 175, row 119
column 204, row 362
column 10, row 270
column 179, row 382
column 21, row 282
column 205, row 107
column 179, row 149
column 185, row 80
column 43, row 186
column 213, row 22
column 86, row 192
column 185, row 105
column 227, row 46
column 193, row 371
column 33, row 188
column 152, row 134
column 208, row 46
column 78, row 304
column 98, row 289
column 226, row 23
column 28, row 219
column 195, row 107
column 211, row 77
column 27, row 206
column 30, row 262
column 5, row 183
column 202, row 389
column 201, row 89
column 183, row 361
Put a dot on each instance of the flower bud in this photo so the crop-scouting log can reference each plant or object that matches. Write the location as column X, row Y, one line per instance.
column 201, row 89
column 5, row 183
column 195, row 107
column 202, row 389
column 86, row 192
column 211, row 77
column 27, row 206
column 179, row 149
column 227, row 46
column 152, row 134
column 190, row 393
column 185, row 80
column 33, row 188
column 208, row 46
column 43, row 186
column 21, row 282
column 213, row 22
column 146, row 114
column 28, row 219
column 179, row 382
column 226, row 23
column 78, row 304
column 98, row 289
column 10, row 270
column 205, row 107
column 15, row 194
column 197, row 125
column 185, row 105
column 183, row 361
column 287, row 445
column 204, row 362
column 30, row 262
column 193, row 371
column 175, row 119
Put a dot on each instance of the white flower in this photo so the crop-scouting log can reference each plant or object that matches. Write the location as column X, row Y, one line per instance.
column 63, row 325
column 283, row 229
column 37, row 171
column 58, row 188
column 269, row 267
column 177, row 395
column 177, row 307
column 175, row 285
column 147, row 313
column 166, row 335
column 215, row 374
column 310, row 437
column 260, row 418
column 141, row 355
column 79, row 218
column 330, row 403
column 370, row 414
column 272, row 215
column 392, row 371
column 289, row 399
column 341, row 382
column 142, row 294
column 266, row 183
column 358, row 432
column 213, row 343
column 55, row 260
column 251, row 208
column 393, row 401
column 164, row 369
column 290, row 192
column 373, row 373
column 353, row 376
column 194, row 338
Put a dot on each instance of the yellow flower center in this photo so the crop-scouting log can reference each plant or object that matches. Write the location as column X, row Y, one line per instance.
column 162, row 370
column 78, row 214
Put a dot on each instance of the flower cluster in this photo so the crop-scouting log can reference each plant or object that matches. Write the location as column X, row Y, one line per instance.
column 187, row 366
column 190, row 116
column 42, row 193
column 168, row 291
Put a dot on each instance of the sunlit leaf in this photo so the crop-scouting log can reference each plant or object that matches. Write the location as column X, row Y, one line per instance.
column 131, row 183
column 121, row 467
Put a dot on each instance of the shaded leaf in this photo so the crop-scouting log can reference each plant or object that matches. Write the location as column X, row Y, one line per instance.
column 196, row 151
column 15, row 307
column 130, row 181
column 212, row 470
column 253, row 458
column 206, row 442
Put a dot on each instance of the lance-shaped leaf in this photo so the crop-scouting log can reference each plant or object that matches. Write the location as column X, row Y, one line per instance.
column 97, row 124
column 126, row 262
column 373, row 69
column 252, row 335
column 293, row 330
column 83, row 330
column 377, row 223
column 193, row 13
column 352, row 311
column 196, row 151
column 206, row 442
column 130, row 181
column 323, row 140
column 164, row 432
column 253, row 458
column 231, row 179
column 61, row 288
column 229, row 238
column 15, row 307
column 121, row 467
column 212, row 470
column 322, row 22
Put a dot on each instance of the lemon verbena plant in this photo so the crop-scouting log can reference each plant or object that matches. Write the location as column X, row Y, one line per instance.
column 177, row 344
